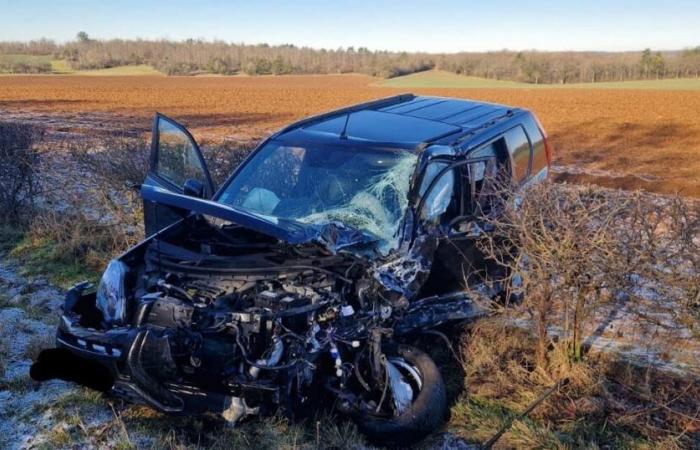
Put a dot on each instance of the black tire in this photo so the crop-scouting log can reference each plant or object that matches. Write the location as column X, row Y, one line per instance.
column 427, row 413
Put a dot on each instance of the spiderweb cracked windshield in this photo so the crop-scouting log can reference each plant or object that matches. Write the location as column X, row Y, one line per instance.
column 366, row 189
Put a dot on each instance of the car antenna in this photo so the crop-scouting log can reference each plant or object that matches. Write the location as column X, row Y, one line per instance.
column 344, row 133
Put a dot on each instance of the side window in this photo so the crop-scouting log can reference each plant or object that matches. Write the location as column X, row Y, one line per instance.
column 539, row 155
column 178, row 158
column 441, row 197
column 519, row 148
column 481, row 179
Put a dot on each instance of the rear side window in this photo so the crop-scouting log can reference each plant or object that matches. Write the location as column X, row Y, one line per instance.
column 519, row 148
column 539, row 156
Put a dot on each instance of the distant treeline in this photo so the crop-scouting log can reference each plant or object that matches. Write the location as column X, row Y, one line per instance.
column 198, row 56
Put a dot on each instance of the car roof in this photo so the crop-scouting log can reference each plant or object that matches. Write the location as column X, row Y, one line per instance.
column 405, row 121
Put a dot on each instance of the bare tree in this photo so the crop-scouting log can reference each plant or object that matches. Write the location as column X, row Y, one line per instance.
column 192, row 56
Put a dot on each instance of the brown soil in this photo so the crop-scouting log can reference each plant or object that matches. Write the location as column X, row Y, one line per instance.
column 618, row 138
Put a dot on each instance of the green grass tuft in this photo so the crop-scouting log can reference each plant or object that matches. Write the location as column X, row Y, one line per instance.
column 61, row 67
column 13, row 58
column 10, row 236
column 43, row 257
column 18, row 385
column 139, row 70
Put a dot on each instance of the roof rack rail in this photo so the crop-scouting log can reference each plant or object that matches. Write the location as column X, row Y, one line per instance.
column 386, row 101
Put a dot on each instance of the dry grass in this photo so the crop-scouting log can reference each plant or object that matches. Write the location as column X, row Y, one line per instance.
column 606, row 403
column 140, row 425
column 70, row 246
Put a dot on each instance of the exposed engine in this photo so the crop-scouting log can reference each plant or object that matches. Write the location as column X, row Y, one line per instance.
column 233, row 318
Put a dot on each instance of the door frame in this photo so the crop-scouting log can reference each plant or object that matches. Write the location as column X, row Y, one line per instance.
column 209, row 188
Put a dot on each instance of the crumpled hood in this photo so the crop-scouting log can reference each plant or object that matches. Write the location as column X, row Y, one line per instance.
column 333, row 235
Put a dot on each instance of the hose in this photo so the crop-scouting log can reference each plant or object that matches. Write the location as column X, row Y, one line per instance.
column 254, row 364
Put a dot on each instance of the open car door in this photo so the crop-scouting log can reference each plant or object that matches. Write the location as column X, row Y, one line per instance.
column 176, row 165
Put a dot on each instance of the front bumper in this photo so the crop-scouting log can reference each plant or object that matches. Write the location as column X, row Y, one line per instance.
column 86, row 352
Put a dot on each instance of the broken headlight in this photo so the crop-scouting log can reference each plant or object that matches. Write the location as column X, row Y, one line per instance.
column 111, row 293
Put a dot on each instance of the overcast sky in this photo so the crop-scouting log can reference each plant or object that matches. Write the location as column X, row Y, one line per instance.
column 427, row 25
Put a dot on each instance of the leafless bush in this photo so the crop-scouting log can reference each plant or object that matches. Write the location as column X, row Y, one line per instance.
column 19, row 161
column 117, row 162
column 96, row 208
column 588, row 256
column 121, row 162
column 578, row 250
column 558, row 243
column 662, row 246
column 25, row 66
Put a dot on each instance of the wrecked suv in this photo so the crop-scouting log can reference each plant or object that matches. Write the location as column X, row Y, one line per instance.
column 301, row 277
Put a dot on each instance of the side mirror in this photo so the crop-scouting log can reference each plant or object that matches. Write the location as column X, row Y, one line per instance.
column 193, row 188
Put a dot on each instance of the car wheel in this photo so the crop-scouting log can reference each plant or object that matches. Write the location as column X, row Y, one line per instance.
column 423, row 413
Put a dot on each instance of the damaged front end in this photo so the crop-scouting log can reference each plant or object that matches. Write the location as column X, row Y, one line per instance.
column 217, row 318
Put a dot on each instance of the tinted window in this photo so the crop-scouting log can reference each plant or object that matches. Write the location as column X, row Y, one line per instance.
column 539, row 156
column 519, row 148
column 482, row 178
column 178, row 160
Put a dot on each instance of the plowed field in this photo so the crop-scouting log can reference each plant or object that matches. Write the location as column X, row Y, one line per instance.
column 624, row 138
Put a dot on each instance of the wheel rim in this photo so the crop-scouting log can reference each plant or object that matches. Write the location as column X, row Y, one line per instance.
column 412, row 370
column 405, row 383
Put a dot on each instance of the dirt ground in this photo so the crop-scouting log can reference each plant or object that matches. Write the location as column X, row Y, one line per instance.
column 618, row 138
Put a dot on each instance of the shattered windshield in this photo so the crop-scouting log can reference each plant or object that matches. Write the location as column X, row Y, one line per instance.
column 362, row 188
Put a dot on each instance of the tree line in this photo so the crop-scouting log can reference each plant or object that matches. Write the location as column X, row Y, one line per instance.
column 195, row 56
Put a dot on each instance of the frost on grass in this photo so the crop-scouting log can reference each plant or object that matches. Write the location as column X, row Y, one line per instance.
column 367, row 210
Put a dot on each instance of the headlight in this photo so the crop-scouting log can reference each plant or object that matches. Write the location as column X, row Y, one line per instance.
column 111, row 293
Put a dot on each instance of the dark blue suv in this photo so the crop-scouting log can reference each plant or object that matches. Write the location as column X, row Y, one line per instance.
column 301, row 277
